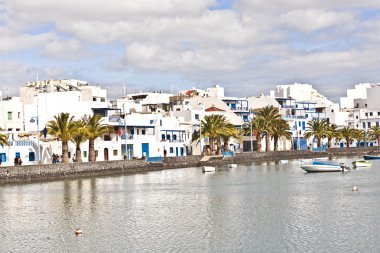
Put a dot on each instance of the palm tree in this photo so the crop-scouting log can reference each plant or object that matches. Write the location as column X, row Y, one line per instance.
column 214, row 127
column 358, row 135
column 269, row 116
column 79, row 136
column 3, row 139
column 95, row 128
column 347, row 133
column 62, row 127
column 229, row 132
column 331, row 133
column 280, row 129
column 318, row 129
column 257, row 128
column 374, row 133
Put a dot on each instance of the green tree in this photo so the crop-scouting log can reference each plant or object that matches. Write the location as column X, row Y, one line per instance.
column 318, row 129
column 79, row 136
column 358, row 134
column 62, row 127
column 214, row 127
column 374, row 133
column 95, row 128
column 347, row 133
column 257, row 130
column 332, row 133
column 269, row 115
column 3, row 139
column 280, row 129
column 229, row 132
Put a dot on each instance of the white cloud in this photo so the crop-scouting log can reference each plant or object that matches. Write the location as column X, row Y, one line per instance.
column 310, row 20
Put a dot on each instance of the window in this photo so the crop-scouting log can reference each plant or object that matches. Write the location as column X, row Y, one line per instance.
column 96, row 153
column 84, row 153
column 93, row 99
column 103, row 100
column 370, row 114
column 168, row 137
column 377, row 123
column 365, row 105
column 163, row 137
column 369, row 124
column 363, row 125
column 9, row 115
column 196, row 116
column 357, row 117
column 143, row 132
column 107, row 137
column 366, row 114
column 17, row 129
column 18, row 115
column 115, row 152
column 174, row 137
column 378, row 113
column 332, row 110
column 171, row 150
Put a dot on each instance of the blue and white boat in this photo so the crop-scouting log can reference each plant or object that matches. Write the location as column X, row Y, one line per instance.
column 372, row 156
column 318, row 166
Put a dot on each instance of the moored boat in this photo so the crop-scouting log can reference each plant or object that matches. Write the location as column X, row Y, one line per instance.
column 361, row 163
column 208, row 169
column 232, row 165
column 372, row 156
column 324, row 167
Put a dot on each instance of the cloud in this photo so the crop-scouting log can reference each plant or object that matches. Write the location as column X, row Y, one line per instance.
column 312, row 19
column 250, row 44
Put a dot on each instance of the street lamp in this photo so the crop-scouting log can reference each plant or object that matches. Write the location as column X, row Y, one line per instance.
column 32, row 120
column 250, row 127
column 200, row 126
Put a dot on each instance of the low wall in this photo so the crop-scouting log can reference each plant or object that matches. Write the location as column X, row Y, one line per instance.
column 72, row 170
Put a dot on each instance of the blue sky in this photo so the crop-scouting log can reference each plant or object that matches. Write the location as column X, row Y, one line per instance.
column 247, row 46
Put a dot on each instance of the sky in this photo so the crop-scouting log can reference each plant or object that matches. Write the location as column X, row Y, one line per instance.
column 246, row 46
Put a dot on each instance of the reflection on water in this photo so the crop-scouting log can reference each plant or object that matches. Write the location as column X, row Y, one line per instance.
column 258, row 207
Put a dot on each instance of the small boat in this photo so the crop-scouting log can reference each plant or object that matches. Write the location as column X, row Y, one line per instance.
column 284, row 161
column 372, row 156
column 208, row 169
column 361, row 163
column 232, row 165
column 324, row 167
column 322, row 158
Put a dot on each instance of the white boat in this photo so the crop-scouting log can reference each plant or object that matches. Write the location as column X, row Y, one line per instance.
column 361, row 163
column 208, row 169
column 324, row 167
column 322, row 158
column 232, row 165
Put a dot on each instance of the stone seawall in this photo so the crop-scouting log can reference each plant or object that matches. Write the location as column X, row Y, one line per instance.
column 30, row 173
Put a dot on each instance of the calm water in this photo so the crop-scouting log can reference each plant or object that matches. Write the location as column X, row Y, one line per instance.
column 259, row 207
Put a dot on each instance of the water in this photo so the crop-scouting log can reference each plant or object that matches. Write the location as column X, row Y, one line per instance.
column 258, row 207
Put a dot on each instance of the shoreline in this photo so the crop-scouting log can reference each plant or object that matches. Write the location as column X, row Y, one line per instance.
column 54, row 172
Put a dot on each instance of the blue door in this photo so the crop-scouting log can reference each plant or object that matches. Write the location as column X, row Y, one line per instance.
column 145, row 149
column 3, row 157
column 182, row 151
column 176, row 151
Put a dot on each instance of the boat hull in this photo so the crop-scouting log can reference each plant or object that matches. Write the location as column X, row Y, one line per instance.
column 371, row 157
column 357, row 164
column 321, row 168
column 208, row 169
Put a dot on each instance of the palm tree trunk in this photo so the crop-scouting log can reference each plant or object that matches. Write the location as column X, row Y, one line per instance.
column 319, row 142
column 225, row 144
column 267, row 142
column 258, row 139
column 378, row 141
column 65, row 151
column 347, row 142
column 329, row 142
column 78, row 154
column 275, row 142
column 91, row 150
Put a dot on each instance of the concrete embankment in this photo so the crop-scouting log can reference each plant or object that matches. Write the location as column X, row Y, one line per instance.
column 30, row 173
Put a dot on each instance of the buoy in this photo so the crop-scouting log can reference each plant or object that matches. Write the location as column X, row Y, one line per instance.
column 355, row 189
column 78, row 231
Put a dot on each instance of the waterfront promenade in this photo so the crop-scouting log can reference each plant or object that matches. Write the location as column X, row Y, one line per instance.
column 30, row 173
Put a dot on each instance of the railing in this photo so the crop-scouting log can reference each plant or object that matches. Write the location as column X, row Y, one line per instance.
column 157, row 159
column 21, row 143
column 227, row 153
column 318, row 149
